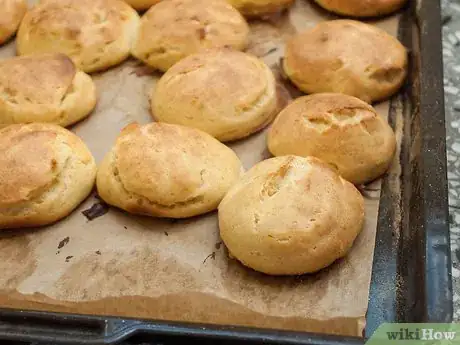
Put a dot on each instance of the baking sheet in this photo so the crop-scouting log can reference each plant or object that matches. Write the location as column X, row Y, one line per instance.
column 131, row 266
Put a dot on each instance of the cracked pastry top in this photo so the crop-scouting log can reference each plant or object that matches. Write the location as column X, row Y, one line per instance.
column 346, row 56
column 141, row 5
column 44, row 88
column 290, row 215
column 339, row 129
column 95, row 34
column 362, row 8
column 46, row 171
column 226, row 93
column 164, row 170
column 174, row 29
column 11, row 13
column 257, row 8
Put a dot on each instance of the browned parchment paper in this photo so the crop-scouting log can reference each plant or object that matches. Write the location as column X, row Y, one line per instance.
column 124, row 265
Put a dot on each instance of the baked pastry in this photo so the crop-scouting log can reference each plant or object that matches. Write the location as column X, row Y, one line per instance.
column 46, row 171
column 164, row 170
column 96, row 34
column 256, row 8
column 362, row 8
column 141, row 5
column 338, row 129
column 348, row 57
column 174, row 29
column 44, row 88
column 290, row 215
column 228, row 94
column 11, row 13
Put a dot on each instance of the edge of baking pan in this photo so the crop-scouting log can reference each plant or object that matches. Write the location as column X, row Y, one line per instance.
column 416, row 253
column 411, row 280
column 431, row 215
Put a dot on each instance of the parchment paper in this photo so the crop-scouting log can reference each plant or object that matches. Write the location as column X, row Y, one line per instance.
column 125, row 265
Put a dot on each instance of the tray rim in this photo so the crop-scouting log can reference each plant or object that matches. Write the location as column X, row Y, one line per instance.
column 432, row 237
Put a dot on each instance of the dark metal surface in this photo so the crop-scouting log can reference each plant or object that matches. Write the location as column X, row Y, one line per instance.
column 55, row 328
column 431, row 180
column 411, row 275
column 411, row 279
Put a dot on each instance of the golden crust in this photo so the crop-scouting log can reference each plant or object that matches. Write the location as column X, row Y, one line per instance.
column 256, row 8
column 290, row 215
column 338, row 129
column 164, row 170
column 175, row 29
column 44, row 88
column 362, row 8
column 46, row 171
column 141, row 4
column 346, row 56
column 228, row 94
column 11, row 15
column 96, row 34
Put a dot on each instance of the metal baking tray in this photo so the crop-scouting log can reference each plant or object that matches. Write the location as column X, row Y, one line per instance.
column 411, row 279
